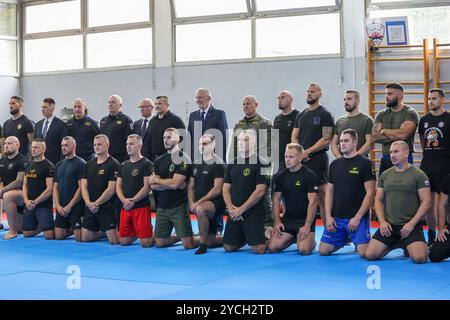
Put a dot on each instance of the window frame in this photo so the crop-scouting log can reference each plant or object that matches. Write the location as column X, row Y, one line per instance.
column 16, row 38
column 85, row 30
column 253, row 15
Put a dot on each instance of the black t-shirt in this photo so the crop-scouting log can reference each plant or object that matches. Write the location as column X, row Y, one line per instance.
column 67, row 174
column 446, row 187
column 435, row 133
column 156, row 128
column 83, row 131
column 244, row 175
column 19, row 128
column 132, row 174
column 117, row 128
column 204, row 175
column 37, row 173
column 99, row 175
column 166, row 169
column 10, row 167
column 285, row 125
column 295, row 187
column 348, row 177
column 311, row 123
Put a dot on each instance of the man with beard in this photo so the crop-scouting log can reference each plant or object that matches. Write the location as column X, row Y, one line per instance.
column 19, row 125
column 67, row 192
column 284, row 123
column 37, row 194
column 397, row 122
column 205, row 194
column 354, row 119
column 434, row 132
column 12, row 171
column 83, row 129
column 314, row 131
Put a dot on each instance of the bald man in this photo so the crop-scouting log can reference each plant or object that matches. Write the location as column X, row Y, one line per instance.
column 12, row 170
column 117, row 126
column 402, row 200
column 51, row 129
column 141, row 126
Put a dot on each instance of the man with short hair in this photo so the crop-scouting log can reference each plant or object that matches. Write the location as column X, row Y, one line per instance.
column 12, row 171
column 402, row 200
column 354, row 119
column 132, row 188
column 162, row 120
column 117, row 126
column 298, row 186
column 245, row 184
column 349, row 196
column 37, row 194
column 141, row 126
column 19, row 125
column 434, row 132
column 169, row 182
column 52, row 130
column 314, row 131
column 397, row 122
column 98, row 187
column 83, row 129
column 209, row 118
column 67, row 192
column 205, row 194
column 284, row 123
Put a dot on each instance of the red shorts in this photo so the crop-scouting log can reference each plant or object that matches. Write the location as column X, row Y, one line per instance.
column 136, row 223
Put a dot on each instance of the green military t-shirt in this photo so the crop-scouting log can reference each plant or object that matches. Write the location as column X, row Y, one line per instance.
column 400, row 193
column 393, row 120
column 362, row 123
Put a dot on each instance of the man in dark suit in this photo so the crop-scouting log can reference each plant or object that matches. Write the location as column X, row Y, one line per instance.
column 52, row 130
column 206, row 118
column 141, row 126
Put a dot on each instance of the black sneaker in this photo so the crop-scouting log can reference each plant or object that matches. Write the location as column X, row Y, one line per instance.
column 2, row 226
column 202, row 249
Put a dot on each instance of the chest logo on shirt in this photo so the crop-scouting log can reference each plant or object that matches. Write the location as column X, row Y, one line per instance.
column 183, row 166
column 135, row 172
column 246, row 172
column 441, row 124
column 355, row 170
column 316, row 121
column 10, row 166
column 118, row 122
column 289, row 123
column 19, row 126
column 87, row 123
column 432, row 136
column 298, row 184
column 101, row 171
column 32, row 174
column 171, row 167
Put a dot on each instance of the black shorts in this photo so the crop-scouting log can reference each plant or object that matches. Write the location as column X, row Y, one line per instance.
column 251, row 230
column 216, row 223
column 318, row 163
column 74, row 220
column 395, row 239
column 41, row 217
column 292, row 227
column 436, row 172
column 103, row 220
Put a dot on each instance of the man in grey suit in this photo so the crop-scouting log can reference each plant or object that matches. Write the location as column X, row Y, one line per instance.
column 141, row 126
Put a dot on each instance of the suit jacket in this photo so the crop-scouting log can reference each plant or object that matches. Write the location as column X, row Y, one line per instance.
column 145, row 137
column 215, row 119
column 56, row 132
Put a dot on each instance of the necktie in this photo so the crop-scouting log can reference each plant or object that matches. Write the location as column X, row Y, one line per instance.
column 45, row 130
column 144, row 127
column 202, row 117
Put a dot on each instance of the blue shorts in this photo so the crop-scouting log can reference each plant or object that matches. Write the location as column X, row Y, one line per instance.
column 339, row 238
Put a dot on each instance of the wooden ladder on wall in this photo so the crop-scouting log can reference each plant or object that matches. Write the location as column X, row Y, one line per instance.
column 437, row 60
column 393, row 53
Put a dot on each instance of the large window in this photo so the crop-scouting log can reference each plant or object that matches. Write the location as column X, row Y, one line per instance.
column 8, row 38
column 87, row 34
column 426, row 19
column 208, row 30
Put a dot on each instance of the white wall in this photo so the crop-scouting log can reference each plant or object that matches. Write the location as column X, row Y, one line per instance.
column 9, row 87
